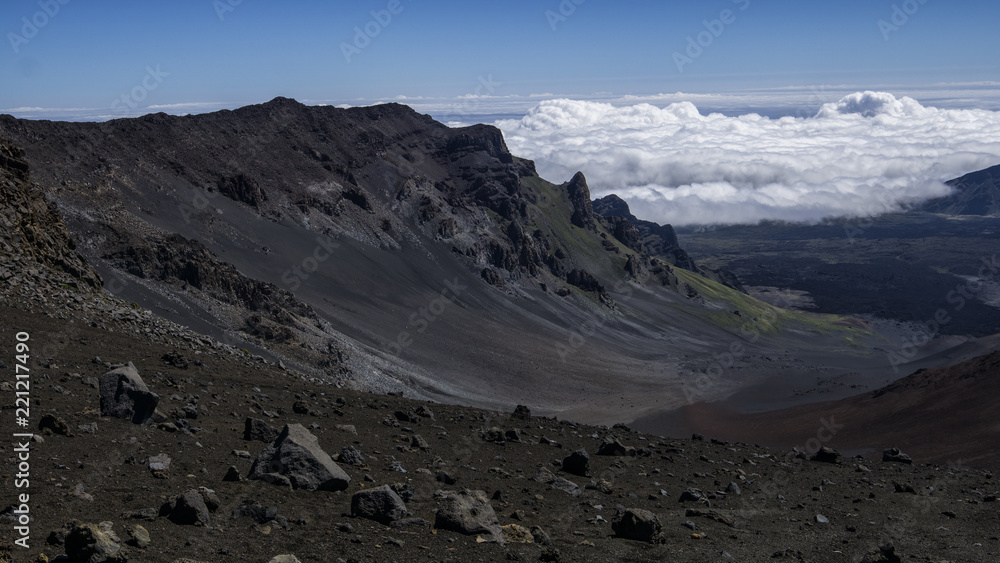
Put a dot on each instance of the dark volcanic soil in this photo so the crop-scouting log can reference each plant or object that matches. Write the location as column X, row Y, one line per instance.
column 100, row 474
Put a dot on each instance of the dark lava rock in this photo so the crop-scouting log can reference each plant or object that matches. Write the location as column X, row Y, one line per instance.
column 296, row 460
column 826, row 455
column 692, row 495
column 351, row 456
column 94, row 543
column 55, row 425
column 124, row 395
column 521, row 412
column 884, row 554
column 232, row 474
column 467, row 512
column 614, row 447
column 577, row 463
column 445, row 477
column 896, row 456
column 636, row 524
column 188, row 509
column 255, row 429
column 381, row 504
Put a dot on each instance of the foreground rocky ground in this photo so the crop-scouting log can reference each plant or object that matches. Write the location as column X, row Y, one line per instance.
column 519, row 486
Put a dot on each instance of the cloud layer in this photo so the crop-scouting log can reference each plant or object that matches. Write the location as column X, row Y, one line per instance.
column 867, row 154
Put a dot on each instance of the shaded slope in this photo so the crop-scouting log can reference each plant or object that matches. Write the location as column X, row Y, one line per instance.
column 976, row 193
column 435, row 261
column 942, row 415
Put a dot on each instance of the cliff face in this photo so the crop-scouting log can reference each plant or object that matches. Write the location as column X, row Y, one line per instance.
column 31, row 226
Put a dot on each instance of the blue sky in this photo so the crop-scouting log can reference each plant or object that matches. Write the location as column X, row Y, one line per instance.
column 91, row 53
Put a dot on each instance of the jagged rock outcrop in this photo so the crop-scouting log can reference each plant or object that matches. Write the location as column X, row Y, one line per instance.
column 583, row 215
column 32, row 226
column 296, row 460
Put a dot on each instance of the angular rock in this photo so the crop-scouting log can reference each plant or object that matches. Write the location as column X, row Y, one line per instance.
column 577, row 463
column 351, row 456
column 692, row 495
column 188, row 509
column 138, row 536
column 516, row 533
column 286, row 558
column 895, row 456
column 381, row 504
column 566, row 486
column 613, row 447
column 636, row 524
column 826, row 455
column 468, row 512
column 521, row 412
column 233, row 474
column 94, row 543
column 159, row 465
column 296, row 460
column 125, row 395
column 255, row 429
column 54, row 424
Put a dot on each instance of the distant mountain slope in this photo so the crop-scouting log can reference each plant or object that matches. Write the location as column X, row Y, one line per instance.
column 938, row 415
column 977, row 193
column 383, row 250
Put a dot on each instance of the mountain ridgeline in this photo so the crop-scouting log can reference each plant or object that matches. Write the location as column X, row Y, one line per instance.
column 383, row 250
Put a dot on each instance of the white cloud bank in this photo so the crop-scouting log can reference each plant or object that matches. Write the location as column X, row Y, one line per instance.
column 867, row 154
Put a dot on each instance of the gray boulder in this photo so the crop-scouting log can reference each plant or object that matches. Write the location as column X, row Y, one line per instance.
column 188, row 509
column 381, row 504
column 125, row 395
column 296, row 460
column 255, row 429
column 468, row 512
column 94, row 543
column 636, row 524
column 577, row 463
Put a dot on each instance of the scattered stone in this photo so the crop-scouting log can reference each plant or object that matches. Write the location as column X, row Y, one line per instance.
column 287, row 558
column 566, row 486
column 903, row 488
column 419, row 443
column 424, row 412
column 255, row 429
column 711, row 515
column 636, row 524
column 51, row 424
column 691, row 495
column 494, row 434
column 159, row 465
column 516, row 533
column 296, row 460
column 884, row 554
column 820, row 519
column 88, row 428
column 381, row 504
column 893, row 455
column 467, row 512
column 734, row 489
column 445, row 477
column 188, row 509
column 521, row 412
column 613, row 447
column 233, row 474
column 94, row 543
column 124, row 395
column 137, row 536
column 826, row 455
column 252, row 509
column 351, row 456
column 577, row 463
column 347, row 428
